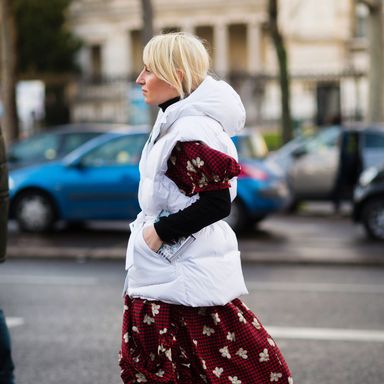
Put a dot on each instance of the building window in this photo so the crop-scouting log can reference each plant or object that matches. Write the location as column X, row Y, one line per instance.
column 361, row 21
column 237, row 52
column 328, row 103
column 171, row 29
column 206, row 34
column 96, row 62
column 136, row 52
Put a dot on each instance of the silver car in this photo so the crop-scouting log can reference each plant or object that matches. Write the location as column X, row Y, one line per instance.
column 319, row 165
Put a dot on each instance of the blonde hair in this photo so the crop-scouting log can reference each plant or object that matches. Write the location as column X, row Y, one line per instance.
column 180, row 59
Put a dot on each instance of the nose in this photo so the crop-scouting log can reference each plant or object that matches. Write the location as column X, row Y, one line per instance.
column 140, row 79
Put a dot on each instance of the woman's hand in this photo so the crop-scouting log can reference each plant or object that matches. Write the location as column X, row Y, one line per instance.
column 152, row 238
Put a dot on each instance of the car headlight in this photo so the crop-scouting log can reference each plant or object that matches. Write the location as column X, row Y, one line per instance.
column 367, row 176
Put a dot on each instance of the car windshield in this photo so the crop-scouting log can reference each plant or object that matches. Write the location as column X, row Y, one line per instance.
column 251, row 146
column 122, row 150
column 42, row 147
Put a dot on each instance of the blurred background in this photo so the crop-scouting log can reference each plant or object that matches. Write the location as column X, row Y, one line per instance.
column 310, row 208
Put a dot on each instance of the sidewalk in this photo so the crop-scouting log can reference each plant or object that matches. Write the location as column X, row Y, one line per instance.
column 315, row 236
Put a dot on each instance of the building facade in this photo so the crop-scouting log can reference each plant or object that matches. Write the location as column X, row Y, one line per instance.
column 325, row 40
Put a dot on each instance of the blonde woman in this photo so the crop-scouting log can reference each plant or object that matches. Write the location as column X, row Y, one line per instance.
column 183, row 321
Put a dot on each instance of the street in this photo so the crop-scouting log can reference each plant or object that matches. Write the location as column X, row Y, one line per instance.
column 64, row 314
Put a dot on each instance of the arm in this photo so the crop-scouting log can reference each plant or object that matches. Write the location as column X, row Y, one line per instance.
column 211, row 207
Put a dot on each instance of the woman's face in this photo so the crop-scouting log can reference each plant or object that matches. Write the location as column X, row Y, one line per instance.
column 155, row 90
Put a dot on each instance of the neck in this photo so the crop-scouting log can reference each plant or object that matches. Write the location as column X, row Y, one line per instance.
column 167, row 103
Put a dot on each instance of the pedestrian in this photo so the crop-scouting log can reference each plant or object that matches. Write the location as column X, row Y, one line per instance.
column 349, row 167
column 183, row 321
column 6, row 363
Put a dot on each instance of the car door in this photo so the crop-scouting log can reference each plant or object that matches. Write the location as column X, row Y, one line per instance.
column 314, row 166
column 103, row 183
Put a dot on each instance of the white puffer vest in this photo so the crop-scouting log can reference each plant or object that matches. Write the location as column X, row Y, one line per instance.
column 209, row 271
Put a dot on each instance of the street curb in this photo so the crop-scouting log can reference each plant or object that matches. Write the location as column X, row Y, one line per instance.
column 261, row 257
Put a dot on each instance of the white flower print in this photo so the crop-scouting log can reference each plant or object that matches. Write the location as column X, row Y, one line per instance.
column 276, row 376
column 135, row 329
column 140, row 378
column 256, row 324
column 168, row 353
column 231, row 336
column 173, row 160
column 271, row 342
column 190, row 167
column 218, row 371
column 234, row 380
column 225, row 352
column 136, row 359
column 241, row 318
column 155, row 309
column 290, row 380
column 216, row 318
column 160, row 373
column 148, row 320
column 126, row 337
column 208, row 331
column 162, row 331
column 216, row 178
column 126, row 307
column 194, row 342
column 264, row 356
column 242, row 353
column 198, row 162
column 152, row 356
column 203, row 181
column 204, row 365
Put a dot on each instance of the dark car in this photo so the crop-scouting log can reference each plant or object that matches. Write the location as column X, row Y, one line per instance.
column 368, row 207
column 54, row 143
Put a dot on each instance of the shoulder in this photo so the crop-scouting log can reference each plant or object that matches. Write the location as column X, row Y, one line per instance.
column 190, row 128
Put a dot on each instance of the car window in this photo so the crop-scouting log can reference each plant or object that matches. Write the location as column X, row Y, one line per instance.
column 324, row 139
column 72, row 141
column 373, row 140
column 42, row 147
column 251, row 146
column 122, row 150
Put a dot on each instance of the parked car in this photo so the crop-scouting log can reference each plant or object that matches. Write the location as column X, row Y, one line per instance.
column 53, row 144
column 368, row 202
column 99, row 181
column 312, row 164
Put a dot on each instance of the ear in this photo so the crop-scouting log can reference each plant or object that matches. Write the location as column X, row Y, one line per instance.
column 180, row 74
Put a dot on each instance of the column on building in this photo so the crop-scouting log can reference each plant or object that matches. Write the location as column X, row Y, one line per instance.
column 221, row 49
column 115, row 55
column 254, row 48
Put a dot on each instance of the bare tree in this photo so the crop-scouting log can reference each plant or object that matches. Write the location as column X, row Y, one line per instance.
column 376, row 59
column 278, row 42
column 146, row 35
column 147, row 16
column 8, row 69
column 4, row 199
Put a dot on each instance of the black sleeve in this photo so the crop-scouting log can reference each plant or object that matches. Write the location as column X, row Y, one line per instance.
column 212, row 206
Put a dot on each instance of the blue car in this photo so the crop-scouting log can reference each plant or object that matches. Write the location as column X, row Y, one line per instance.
column 99, row 181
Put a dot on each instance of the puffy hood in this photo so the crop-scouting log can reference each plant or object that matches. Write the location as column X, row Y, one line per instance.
column 213, row 98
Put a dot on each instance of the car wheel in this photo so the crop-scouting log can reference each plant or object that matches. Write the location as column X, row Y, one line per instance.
column 34, row 212
column 238, row 218
column 373, row 218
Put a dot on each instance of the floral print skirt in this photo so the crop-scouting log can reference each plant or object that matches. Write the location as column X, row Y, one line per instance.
column 166, row 343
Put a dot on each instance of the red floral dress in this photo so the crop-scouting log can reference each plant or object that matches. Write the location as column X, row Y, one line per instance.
column 167, row 343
